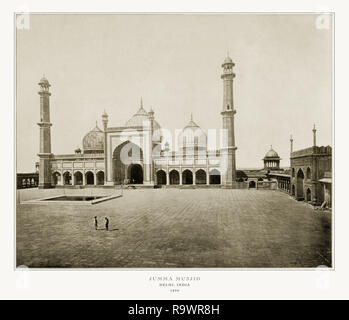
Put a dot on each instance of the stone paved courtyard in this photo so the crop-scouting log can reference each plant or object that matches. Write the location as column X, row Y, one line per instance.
column 173, row 228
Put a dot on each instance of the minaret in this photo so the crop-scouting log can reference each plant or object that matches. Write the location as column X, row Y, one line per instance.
column 291, row 141
column 152, row 145
column 228, row 149
column 105, row 127
column 45, row 135
column 314, row 136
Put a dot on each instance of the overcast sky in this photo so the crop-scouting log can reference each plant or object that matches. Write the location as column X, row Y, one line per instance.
column 283, row 66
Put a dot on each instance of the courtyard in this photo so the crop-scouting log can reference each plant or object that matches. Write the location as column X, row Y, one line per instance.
column 170, row 228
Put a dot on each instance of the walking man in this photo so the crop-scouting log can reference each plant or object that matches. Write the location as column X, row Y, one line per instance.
column 96, row 223
column 106, row 224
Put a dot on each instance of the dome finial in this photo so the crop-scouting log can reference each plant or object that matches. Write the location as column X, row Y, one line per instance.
column 141, row 102
column 191, row 117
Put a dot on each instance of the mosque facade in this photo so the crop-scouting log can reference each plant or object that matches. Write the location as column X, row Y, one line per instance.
column 136, row 154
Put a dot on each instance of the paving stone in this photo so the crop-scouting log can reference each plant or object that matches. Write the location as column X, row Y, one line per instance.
column 173, row 228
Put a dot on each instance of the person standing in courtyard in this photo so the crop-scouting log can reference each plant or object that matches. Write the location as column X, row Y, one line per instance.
column 106, row 224
column 96, row 223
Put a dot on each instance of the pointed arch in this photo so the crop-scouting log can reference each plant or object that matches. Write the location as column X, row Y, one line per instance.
column 174, row 177
column 67, row 178
column 300, row 184
column 161, row 177
column 200, row 176
column 100, row 178
column 125, row 155
column 215, row 176
column 78, row 178
column 187, row 176
column 89, row 178
column 56, row 178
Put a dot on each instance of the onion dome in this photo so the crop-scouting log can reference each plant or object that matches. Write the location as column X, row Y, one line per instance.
column 93, row 142
column 192, row 137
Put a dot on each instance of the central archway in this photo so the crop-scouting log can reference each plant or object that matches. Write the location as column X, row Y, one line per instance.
column 300, row 185
column 125, row 156
column 187, row 176
column 135, row 175
column 161, row 177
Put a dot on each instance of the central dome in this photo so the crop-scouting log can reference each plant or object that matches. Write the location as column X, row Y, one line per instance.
column 139, row 118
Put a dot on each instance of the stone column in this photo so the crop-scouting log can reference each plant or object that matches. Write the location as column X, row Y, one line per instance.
column 147, row 155
column 61, row 181
column 83, row 178
column 167, row 178
column 194, row 178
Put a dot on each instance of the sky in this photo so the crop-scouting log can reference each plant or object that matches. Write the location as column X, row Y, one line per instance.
column 283, row 84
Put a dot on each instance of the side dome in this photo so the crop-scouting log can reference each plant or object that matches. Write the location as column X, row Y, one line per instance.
column 192, row 138
column 93, row 142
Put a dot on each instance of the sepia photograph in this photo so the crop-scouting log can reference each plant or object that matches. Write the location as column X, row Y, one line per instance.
column 174, row 140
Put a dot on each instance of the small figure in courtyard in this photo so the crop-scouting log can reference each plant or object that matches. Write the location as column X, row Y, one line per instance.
column 106, row 223
column 96, row 223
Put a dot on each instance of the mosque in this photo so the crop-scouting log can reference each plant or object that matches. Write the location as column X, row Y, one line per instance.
column 135, row 153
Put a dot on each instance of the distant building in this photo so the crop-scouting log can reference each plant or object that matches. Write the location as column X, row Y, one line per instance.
column 308, row 167
column 309, row 177
column 271, row 160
